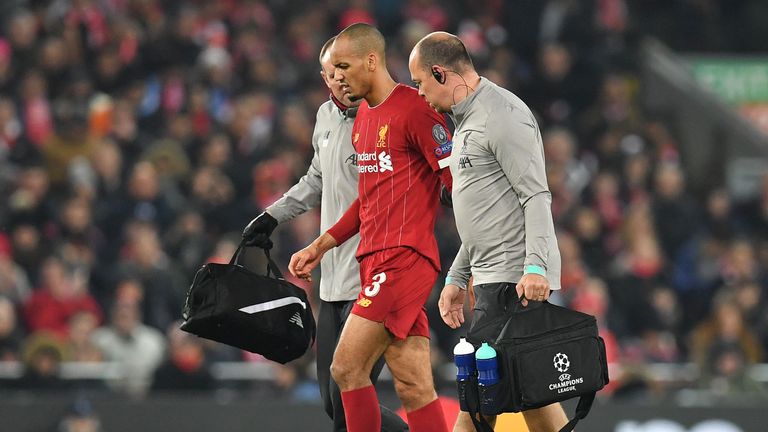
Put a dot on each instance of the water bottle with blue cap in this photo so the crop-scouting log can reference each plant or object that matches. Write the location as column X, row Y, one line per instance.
column 487, row 365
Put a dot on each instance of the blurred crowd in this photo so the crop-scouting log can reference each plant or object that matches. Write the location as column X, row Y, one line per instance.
column 138, row 138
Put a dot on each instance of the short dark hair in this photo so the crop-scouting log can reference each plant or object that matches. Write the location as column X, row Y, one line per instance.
column 365, row 38
column 325, row 48
column 448, row 51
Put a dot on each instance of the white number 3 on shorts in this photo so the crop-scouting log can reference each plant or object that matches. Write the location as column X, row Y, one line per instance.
column 378, row 279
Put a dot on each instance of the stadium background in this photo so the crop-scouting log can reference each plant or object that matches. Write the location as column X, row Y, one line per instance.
column 138, row 137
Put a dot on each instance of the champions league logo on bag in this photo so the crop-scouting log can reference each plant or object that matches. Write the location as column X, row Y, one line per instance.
column 561, row 362
column 566, row 384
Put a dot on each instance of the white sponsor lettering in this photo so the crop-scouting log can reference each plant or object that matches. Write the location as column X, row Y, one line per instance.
column 384, row 162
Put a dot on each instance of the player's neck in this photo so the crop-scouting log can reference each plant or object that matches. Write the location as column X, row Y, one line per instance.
column 380, row 90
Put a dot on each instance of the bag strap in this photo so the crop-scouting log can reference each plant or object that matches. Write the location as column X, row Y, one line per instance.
column 271, row 266
column 238, row 254
column 582, row 409
column 481, row 424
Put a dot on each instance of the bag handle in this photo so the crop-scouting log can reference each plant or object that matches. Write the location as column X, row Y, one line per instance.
column 517, row 308
column 271, row 266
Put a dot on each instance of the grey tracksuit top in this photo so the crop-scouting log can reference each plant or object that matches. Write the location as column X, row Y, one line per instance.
column 501, row 200
column 331, row 181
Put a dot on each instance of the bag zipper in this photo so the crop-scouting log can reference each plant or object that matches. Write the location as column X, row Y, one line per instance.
column 499, row 340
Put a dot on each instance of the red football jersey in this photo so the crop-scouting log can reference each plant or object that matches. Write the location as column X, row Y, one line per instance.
column 402, row 148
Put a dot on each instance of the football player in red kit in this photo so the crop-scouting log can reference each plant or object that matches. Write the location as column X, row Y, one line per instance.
column 402, row 150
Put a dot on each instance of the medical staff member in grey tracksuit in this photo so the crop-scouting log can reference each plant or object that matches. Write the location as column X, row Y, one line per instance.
column 501, row 201
column 331, row 182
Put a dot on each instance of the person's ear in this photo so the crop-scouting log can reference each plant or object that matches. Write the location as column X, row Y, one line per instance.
column 326, row 79
column 371, row 62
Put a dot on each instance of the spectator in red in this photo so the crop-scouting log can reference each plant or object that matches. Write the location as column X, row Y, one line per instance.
column 7, row 77
column 36, row 109
column 60, row 297
column 186, row 368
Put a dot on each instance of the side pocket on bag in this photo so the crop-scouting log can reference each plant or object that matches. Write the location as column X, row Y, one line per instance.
column 604, row 358
column 497, row 398
column 492, row 397
column 468, row 395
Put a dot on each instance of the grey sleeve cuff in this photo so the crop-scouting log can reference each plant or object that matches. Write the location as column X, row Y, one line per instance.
column 538, row 229
column 460, row 270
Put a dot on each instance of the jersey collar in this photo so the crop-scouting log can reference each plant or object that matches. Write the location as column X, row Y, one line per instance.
column 461, row 109
column 348, row 112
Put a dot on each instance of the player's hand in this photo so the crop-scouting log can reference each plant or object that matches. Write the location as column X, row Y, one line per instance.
column 304, row 261
column 533, row 287
column 451, row 305
column 258, row 231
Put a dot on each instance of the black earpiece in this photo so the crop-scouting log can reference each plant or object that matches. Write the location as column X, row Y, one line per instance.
column 439, row 76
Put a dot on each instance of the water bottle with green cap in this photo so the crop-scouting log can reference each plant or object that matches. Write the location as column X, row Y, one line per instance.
column 487, row 365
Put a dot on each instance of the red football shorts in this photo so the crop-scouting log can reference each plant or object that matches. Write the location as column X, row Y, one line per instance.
column 396, row 285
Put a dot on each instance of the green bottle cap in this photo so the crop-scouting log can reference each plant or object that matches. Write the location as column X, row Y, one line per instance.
column 485, row 352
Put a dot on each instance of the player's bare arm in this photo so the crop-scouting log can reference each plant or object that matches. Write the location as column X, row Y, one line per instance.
column 451, row 305
column 304, row 261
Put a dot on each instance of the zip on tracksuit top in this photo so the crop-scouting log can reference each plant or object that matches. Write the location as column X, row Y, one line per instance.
column 331, row 181
column 501, row 200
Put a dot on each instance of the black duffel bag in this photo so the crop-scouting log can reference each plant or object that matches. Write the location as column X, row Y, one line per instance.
column 263, row 314
column 546, row 354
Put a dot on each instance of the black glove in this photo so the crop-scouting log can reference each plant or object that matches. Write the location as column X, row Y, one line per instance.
column 258, row 231
column 445, row 197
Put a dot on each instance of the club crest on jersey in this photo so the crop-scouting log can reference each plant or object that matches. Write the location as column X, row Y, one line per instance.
column 439, row 134
column 382, row 142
